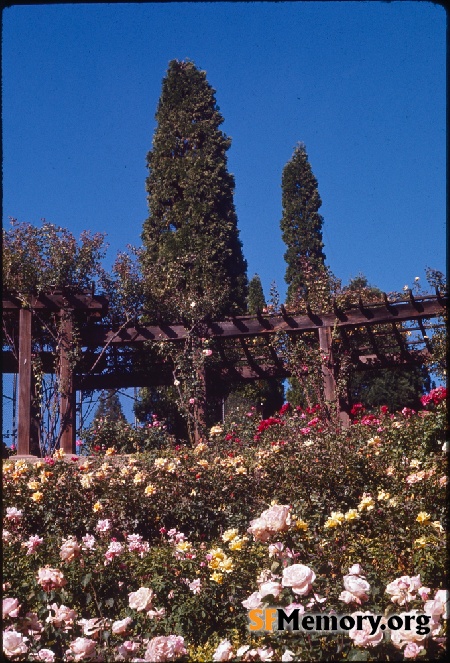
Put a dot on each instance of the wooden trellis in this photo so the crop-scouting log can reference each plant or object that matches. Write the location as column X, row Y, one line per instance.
column 382, row 324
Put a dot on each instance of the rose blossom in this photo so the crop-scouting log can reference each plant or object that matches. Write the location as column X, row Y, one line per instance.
column 81, row 648
column 438, row 606
column 142, row 599
column 299, row 577
column 13, row 514
column 270, row 587
column 69, row 549
column 115, row 549
column 403, row 589
column 14, row 643
column 92, row 626
column 362, row 637
column 357, row 586
column 253, row 601
column 50, row 578
column 224, row 651
column 103, row 525
column 120, row 627
column 402, row 636
column 273, row 520
column 412, row 649
column 11, row 608
column 32, row 544
column 45, row 655
column 64, row 617
column 165, row 648
column 128, row 648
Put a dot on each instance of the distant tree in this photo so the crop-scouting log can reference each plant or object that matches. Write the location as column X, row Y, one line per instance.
column 255, row 300
column 192, row 259
column 109, row 406
column 301, row 225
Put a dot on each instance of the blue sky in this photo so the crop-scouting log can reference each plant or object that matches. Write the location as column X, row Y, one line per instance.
column 362, row 84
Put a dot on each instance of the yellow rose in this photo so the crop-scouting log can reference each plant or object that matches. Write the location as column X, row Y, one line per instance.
column 37, row 496
column 423, row 518
column 150, row 489
column 97, row 507
column 217, row 577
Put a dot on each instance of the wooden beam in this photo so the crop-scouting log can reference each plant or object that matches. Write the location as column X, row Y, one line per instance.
column 252, row 326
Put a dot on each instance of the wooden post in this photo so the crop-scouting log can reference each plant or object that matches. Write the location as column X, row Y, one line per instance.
column 23, row 441
column 329, row 381
column 199, row 408
column 67, row 396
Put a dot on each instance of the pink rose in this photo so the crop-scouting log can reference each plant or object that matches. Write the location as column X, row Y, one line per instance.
column 270, row 587
column 14, row 644
column 357, row 586
column 142, row 599
column 64, row 617
column 11, row 608
column 224, row 651
column 69, row 549
column 438, row 606
column 45, row 655
column 50, row 578
column 273, row 520
column 253, row 601
column 364, row 637
column 412, row 650
column 121, row 627
column 403, row 589
column 81, row 648
column 403, row 636
column 299, row 577
column 165, row 648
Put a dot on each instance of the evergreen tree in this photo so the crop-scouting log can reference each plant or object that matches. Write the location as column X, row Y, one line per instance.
column 109, row 406
column 255, row 300
column 301, row 224
column 192, row 258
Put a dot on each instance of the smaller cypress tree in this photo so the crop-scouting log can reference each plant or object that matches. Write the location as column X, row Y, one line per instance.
column 301, row 225
column 255, row 299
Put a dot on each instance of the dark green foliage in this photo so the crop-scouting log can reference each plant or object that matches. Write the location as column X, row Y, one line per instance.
column 255, row 300
column 192, row 259
column 301, row 225
column 398, row 387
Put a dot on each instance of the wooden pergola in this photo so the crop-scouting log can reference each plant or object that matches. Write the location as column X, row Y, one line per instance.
column 385, row 346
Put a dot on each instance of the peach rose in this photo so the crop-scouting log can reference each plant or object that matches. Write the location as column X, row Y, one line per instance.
column 81, row 648
column 50, row 578
column 273, row 520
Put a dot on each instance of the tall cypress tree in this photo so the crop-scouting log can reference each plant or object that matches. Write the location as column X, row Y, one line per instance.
column 301, row 224
column 192, row 259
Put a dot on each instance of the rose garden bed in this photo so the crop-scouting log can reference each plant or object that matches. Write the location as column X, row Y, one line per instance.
column 159, row 556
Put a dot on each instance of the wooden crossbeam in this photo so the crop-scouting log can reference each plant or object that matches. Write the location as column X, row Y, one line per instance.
column 252, row 326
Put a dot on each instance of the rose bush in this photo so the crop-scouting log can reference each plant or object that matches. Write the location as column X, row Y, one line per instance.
column 124, row 556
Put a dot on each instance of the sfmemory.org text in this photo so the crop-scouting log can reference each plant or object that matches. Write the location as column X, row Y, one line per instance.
column 276, row 619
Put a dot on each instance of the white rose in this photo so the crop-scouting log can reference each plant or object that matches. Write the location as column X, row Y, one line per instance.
column 299, row 577
column 141, row 600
